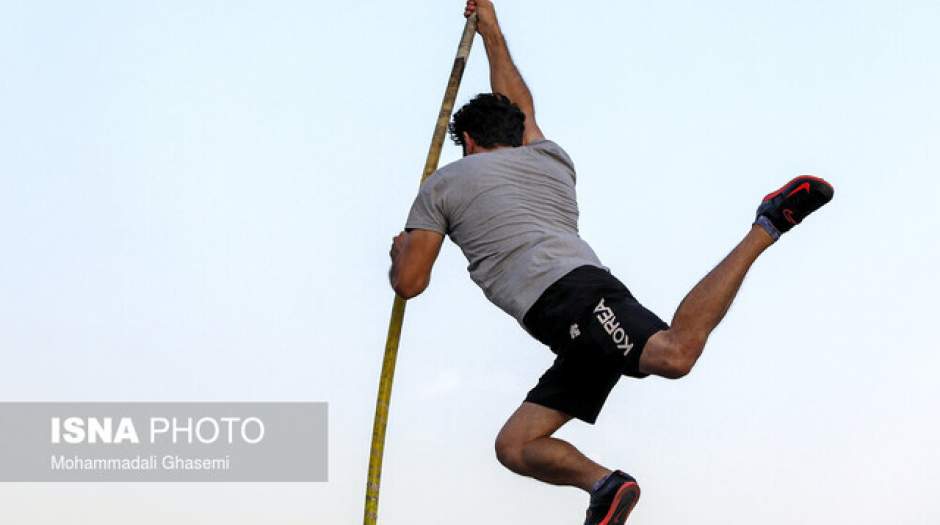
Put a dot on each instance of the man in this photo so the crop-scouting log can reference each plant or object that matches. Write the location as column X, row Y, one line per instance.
column 510, row 205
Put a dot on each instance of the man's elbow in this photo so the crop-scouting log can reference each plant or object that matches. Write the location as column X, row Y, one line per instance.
column 409, row 288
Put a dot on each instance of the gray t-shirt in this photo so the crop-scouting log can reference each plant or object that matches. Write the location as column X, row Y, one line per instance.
column 514, row 213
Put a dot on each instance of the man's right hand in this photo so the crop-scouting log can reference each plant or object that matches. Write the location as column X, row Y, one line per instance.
column 504, row 77
column 487, row 25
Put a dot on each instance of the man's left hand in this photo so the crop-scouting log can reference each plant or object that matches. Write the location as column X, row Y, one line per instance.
column 398, row 244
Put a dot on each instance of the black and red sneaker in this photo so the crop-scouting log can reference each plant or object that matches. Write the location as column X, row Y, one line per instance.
column 788, row 206
column 612, row 502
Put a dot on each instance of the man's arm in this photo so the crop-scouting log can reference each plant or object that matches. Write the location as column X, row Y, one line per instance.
column 413, row 254
column 504, row 77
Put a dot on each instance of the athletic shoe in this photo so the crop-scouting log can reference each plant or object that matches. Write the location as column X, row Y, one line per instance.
column 788, row 206
column 612, row 502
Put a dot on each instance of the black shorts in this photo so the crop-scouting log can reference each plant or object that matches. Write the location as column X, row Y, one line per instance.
column 598, row 330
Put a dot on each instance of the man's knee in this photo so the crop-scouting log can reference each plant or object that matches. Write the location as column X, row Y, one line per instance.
column 509, row 452
column 527, row 424
column 677, row 368
column 681, row 355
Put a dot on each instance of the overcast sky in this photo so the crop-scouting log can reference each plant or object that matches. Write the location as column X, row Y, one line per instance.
column 196, row 202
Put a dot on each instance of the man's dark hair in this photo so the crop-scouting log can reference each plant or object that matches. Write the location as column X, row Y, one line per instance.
column 491, row 119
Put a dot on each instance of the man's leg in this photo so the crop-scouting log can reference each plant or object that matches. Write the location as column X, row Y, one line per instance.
column 525, row 446
column 672, row 353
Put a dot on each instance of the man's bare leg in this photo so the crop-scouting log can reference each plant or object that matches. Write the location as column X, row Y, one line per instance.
column 525, row 446
column 672, row 353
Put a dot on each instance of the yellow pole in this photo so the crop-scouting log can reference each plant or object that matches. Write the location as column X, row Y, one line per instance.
column 398, row 307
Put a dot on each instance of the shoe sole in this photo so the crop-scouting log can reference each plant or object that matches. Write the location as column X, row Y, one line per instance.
column 622, row 505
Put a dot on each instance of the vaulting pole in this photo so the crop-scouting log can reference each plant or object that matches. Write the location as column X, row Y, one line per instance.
column 398, row 307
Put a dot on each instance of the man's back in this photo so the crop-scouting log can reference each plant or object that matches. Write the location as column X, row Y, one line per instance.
column 514, row 213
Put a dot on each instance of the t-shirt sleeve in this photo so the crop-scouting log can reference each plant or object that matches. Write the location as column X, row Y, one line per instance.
column 427, row 211
column 555, row 152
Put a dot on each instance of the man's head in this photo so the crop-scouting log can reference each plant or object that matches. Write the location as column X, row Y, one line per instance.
column 487, row 122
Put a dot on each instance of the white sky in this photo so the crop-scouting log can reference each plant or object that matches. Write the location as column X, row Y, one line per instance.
column 196, row 201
